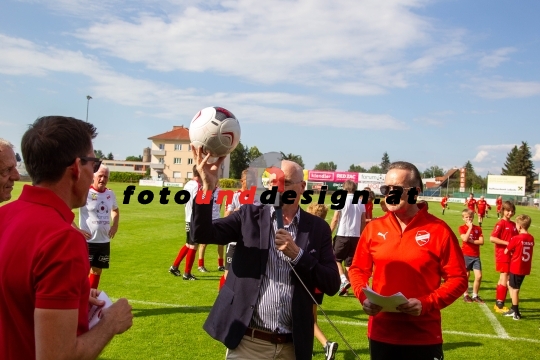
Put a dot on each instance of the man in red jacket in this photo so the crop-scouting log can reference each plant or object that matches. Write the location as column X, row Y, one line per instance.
column 408, row 250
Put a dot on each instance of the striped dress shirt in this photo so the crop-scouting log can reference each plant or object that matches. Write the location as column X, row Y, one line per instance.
column 273, row 310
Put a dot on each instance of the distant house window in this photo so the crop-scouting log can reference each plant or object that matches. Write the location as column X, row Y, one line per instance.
column 161, row 146
column 177, row 160
column 190, row 161
column 189, row 175
column 177, row 147
column 189, row 147
column 161, row 161
column 176, row 174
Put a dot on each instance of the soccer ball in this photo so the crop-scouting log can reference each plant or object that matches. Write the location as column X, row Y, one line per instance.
column 216, row 130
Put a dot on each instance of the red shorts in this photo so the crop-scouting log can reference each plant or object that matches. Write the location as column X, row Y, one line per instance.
column 502, row 267
column 482, row 213
column 499, row 208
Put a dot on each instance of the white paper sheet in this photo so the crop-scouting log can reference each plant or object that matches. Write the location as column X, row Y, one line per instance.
column 388, row 303
column 94, row 314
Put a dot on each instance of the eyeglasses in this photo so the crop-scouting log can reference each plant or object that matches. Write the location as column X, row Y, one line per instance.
column 385, row 189
column 291, row 183
column 97, row 161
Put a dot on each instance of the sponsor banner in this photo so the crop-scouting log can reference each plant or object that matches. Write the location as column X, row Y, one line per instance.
column 430, row 198
column 375, row 187
column 151, row 183
column 315, row 175
column 331, row 186
column 342, row 176
column 506, row 185
column 173, row 184
column 371, row 178
column 456, row 200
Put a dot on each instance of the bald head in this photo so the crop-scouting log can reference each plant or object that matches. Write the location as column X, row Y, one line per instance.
column 292, row 171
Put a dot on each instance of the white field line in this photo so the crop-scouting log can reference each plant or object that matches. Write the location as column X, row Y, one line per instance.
column 499, row 330
column 502, row 335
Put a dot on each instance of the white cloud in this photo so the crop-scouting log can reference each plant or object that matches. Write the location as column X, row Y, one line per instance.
column 166, row 101
column 495, row 58
column 359, row 48
column 536, row 156
column 500, row 89
column 500, row 147
column 480, row 156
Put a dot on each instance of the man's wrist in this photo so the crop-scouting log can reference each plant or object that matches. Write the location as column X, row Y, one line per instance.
column 297, row 258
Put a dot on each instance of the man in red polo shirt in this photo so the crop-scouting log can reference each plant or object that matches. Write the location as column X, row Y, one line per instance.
column 44, row 292
column 408, row 250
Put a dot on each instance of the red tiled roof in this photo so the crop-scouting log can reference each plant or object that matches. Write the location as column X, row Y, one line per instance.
column 177, row 133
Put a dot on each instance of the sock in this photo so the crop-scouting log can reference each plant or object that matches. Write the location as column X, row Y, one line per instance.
column 501, row 293
column 221, row 281
column 220, row 262
column 474, row 295
column 190, row 259
column 480, row 224
column 343, row 278
column 94, row 281
column 181, row 255
column 443, row 212
column 201, row 262
column 515, row 308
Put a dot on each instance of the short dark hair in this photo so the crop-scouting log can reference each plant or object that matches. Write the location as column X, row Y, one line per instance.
column 195, row 171
column 415, row 179
column 52, row 143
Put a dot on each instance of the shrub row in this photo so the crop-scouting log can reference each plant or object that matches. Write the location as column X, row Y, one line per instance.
column 229, row 183
column 126, row 177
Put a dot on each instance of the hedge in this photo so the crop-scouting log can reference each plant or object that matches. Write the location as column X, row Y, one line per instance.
column 126, row 177
column 229, row 183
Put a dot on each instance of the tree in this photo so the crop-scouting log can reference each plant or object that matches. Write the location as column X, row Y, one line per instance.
column 509, row 164
column 239, row 161
column 385, row 163
column 433, row 171
column 519, row 163
column 253, row 153
column 375, row 169
column 110, row 156
column 471, row 179
column 356, row 168
column 292, row 157
column 134, row 158
column 99, row 154
column 326, row 166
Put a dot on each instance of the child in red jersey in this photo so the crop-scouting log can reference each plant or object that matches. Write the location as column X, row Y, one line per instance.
column 369, row 204
column 444, row 203
column 498, row 203
column 481, row 206
column 470, row 202
column 500, row 236
column 472, row 238
column 521, row 250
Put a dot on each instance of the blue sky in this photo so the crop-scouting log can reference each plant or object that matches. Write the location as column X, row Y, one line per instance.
column 430, row 82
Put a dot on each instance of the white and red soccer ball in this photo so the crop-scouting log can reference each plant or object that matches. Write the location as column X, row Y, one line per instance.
column 216, row 130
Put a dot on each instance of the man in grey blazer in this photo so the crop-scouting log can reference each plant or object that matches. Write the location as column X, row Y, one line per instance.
column 263, row 311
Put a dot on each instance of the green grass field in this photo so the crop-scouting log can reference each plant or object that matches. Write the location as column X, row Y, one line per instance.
column 169, row 312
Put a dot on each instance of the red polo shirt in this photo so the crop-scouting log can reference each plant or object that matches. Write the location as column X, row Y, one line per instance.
column 43, row 264
column 412, row 262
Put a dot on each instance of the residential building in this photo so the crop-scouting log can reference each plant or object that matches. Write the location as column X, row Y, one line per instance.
column 172, row 158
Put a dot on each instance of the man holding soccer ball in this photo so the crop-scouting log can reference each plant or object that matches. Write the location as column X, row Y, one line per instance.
column 275, row 320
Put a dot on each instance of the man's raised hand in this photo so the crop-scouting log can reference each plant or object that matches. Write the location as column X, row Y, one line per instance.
column 208, row 172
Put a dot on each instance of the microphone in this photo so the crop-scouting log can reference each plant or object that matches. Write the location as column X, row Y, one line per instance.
column 279, row 212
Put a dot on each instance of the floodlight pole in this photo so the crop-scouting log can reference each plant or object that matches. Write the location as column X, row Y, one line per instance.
column 88, row 97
